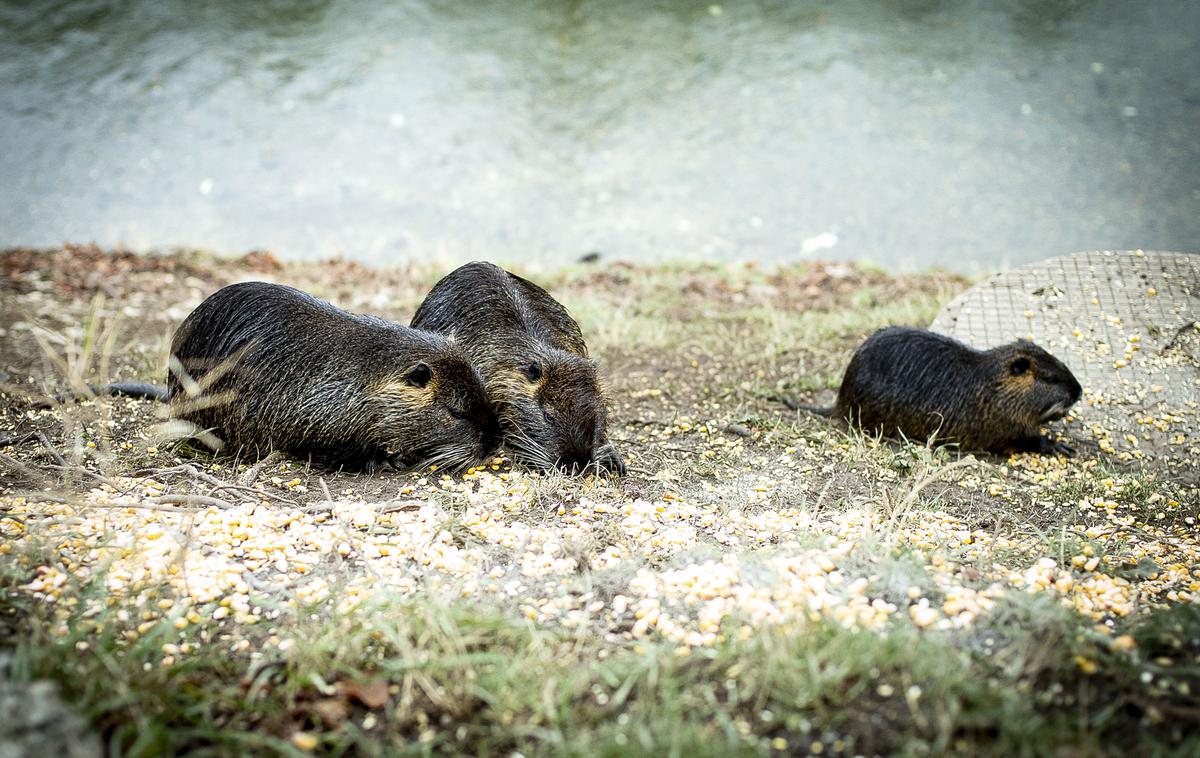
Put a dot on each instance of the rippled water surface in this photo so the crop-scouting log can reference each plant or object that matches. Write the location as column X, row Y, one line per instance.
column 911, row 133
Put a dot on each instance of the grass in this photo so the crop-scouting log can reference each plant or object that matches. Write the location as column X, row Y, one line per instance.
column 762, row 583
column 466, row 680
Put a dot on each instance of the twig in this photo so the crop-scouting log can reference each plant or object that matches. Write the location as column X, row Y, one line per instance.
column 85, row 470
column 50, row 448
column 317, row 507
column 16, row 439
column 217, row 484
column 824, row 492
column 1175, row 337
column 259, row 585
column 253, row 490
column 325, row 488
column 1131, row 529
column 124, row 506
column 389, row 507
column 1181, row 712
column 407, row 505
column 900, row 512
column 651, row 444
column 18, row 465
column 253, row 472
column 182, row 468
column 190, row 500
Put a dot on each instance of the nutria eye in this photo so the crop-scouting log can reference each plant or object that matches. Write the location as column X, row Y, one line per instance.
column 1019, row 366
column 533, row 372
column 419, row 375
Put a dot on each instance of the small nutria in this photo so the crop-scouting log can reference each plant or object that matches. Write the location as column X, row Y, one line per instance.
column 534, row 362
column 915, row 383
column 269, row 367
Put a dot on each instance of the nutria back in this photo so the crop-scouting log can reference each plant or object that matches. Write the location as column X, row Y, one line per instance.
column 268, row 367
column 534, row 362
column 915, row 383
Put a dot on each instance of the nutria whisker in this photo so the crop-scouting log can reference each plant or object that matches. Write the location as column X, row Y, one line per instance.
column 451, row 458
column 1056, row 411
column 527, row 451
column 190, row 403
column 530, row 456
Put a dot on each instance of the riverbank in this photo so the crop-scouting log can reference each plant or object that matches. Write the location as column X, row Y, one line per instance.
column 761, row 582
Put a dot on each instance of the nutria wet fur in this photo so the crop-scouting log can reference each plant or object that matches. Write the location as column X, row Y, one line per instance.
column 919, row 384
column 534, row 362
column 268, row 367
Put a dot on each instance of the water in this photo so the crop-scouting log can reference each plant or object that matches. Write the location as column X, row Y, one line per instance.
column 911, row 133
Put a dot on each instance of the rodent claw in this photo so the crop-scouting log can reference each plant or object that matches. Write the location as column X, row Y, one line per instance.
column 1054, row 447
column 608, row 459
column 1063, row 448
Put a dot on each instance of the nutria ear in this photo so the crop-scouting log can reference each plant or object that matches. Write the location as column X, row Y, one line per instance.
column 533, row 372
column 419, row 375
column 1019, row 366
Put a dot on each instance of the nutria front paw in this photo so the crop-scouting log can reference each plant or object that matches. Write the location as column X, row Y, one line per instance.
column 1042, row 446
column 1061, row 448
column 382, row 462
column 1047, row 446
column 608, row 459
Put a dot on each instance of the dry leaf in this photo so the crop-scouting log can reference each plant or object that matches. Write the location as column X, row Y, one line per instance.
column 373, row 695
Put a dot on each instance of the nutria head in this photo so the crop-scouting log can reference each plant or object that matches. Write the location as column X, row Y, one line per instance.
column 534, row 359
column 552, row 410
column 1031, row 384
column 434, row 412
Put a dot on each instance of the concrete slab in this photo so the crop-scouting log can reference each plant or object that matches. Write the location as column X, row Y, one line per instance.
column 1127, row 323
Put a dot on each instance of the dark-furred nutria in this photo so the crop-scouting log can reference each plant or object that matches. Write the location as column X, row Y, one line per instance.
column 269, row 367
column 534, row 362
column 915, row 383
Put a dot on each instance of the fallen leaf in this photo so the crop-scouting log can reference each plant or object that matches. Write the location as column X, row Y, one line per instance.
column 332, row 711
column 373, row 695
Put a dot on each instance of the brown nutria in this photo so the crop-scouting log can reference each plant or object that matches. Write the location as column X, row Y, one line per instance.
column 268, row 367
column 915, row 383
column 534, row 362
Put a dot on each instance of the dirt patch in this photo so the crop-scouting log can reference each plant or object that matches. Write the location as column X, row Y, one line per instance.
column 673, row 404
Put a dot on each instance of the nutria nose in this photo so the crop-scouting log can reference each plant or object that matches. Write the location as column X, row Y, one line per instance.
column 490, row 434
column 1076, row 390
column 575, row 460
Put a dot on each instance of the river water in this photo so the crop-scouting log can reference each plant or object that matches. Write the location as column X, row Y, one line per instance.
column 911, row 133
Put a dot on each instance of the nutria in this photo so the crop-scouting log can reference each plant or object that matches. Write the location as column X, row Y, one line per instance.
column 915, row 383
column 268, row 367
column 534, row 362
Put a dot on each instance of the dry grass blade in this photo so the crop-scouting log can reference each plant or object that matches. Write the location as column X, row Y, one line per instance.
column 199, row 500
column 251, row 474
